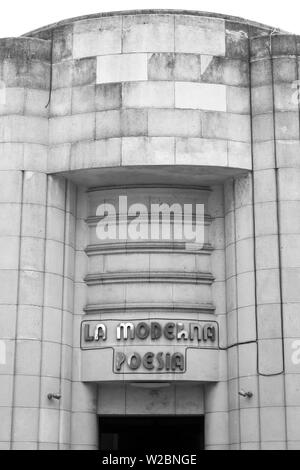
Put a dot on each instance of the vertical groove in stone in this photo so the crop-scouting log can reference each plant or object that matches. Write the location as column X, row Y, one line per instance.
column 17, row 316
column 43, row 307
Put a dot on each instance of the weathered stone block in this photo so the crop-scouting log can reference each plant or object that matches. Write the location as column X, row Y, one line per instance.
column 62, row 75
column 83, row 99
column 238, row 100
column 285, row 69
column 100, row 37
column 62, row 43
column 61, row 101
column 261, row 72
column 59, row 158
column 226, row 71
column 263, row 153
column 148, row 151
column 33, row 221
column 170, row 66
column 72, row 128
column 287, row 125
column 108, row 124
column 161, row 66
column 34, row 188
column 284, row 44
column 239, row 155
column 289, row 184
column 266, row 218
column 108, row 96
column 269, row 414
column 244, row 223
column 200, row 35
column 36, row 102
column 9, row 253
column 237, row 42
column 267, row 252
column 148, row 95
column 265, row 186
column 134, row 122
column 11, row 156
column 32, row 255
column 10, row 219
column 13, row 101
column 290, row 251
column 201, row 152
column 263, row 127
column 23, row 129
column 97, row 154
column 27, row 74
column 148, row 33
column 226, row 126
column 288, row 154
column 262, row 99
column 84, row 72
column 27, row 419
column 286, row 97
column 247, row 324
column 260, row 47
column 186, row 123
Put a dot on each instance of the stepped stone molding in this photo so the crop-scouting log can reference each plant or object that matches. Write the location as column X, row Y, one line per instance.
column 149, row 277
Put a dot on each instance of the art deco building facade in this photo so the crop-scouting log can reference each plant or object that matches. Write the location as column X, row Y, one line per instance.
column 161, row 107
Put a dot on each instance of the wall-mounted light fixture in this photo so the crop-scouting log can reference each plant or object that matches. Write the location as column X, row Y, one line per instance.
column 244, row 394
column 54, row 396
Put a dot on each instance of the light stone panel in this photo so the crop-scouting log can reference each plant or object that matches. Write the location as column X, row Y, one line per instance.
column 200, row 96
column 122, row 68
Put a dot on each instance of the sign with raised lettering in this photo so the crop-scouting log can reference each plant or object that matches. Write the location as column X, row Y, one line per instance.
column 156, row 346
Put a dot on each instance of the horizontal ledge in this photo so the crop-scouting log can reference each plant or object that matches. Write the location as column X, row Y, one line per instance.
column 149, row 186
column 147, row 247
column 94, row 220
column 149, row 277
column 142, row 307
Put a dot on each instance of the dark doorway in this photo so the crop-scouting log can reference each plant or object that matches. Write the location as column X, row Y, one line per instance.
column 146, row 434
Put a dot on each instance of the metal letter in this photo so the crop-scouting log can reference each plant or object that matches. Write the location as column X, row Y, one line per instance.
column 168, row 361
column 181, row 333
column 134, row 361
column 160, row 361
column 122, row 331
column 169, row 331
column 142, row 331
column 100, row 332
column 193, row 327
column 87, row 336
column 148, row 361
column 209, row 332
column 120, row 359
column 177, row 361
column 156, row 331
